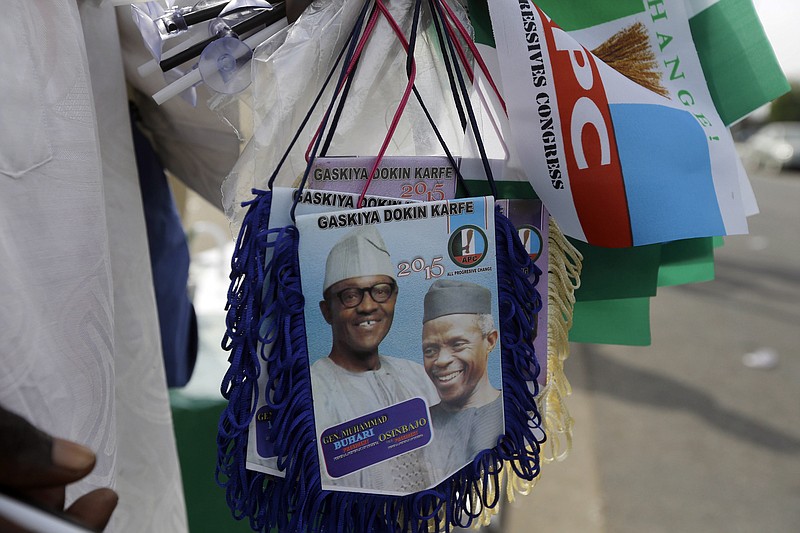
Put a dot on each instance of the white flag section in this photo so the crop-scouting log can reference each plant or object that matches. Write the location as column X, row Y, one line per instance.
column 619, row 163
column 693, row 7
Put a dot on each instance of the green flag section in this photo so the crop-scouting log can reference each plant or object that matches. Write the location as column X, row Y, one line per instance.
column 612, row 304
column 739, row 64
column 624, row 321
column 613, row 273
column 511, row 190
column 481, row 23
column 578, row 14
column 689, row 261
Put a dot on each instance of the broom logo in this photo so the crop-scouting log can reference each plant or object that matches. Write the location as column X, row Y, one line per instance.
column 467, row 246
column 629, row 52
column 531, row 239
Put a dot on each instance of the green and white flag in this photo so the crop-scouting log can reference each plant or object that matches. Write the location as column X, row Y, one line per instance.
column 739, row 72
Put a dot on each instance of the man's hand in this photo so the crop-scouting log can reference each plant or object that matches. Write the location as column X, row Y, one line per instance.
column 37, row 468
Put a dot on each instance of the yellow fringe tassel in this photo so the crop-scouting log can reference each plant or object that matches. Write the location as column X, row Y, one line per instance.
column 564, row 268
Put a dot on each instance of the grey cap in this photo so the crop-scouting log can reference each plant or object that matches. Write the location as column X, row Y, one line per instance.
column 361, row 252
column 451, row 297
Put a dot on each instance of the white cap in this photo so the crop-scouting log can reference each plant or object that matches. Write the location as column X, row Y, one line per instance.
column 361, row 252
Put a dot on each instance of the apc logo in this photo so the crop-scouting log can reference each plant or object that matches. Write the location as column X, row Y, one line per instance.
column 531, row 240
column 467, row 246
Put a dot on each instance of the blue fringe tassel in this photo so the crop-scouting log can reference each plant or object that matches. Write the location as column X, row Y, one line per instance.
column 265, row 308
column 239, row 386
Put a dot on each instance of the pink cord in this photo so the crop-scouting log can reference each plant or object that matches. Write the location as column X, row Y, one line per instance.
column 465, row 35
column 361, row 43
column 412, row 75
column 400, row 107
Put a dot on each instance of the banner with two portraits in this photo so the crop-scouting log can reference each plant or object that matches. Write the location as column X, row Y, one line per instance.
column 403, row 341
column 402, row 335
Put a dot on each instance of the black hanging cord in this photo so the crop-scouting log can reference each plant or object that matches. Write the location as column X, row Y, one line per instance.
column 326, row 117
column 465, row 93
column 340, row 107
column 435, row 17
column 350, row 50
column 412, row 41
column 411, row 47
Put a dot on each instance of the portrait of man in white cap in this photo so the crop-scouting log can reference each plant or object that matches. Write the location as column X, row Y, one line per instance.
column 359, row 296
column 458, row 334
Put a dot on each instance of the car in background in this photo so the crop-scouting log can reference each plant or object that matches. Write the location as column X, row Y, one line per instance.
column 774, row 147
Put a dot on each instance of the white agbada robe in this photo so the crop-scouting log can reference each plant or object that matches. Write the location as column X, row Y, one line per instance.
column 80, row 353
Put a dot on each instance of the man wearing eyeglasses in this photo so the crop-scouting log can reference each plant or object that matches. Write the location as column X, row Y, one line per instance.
column 360, row 293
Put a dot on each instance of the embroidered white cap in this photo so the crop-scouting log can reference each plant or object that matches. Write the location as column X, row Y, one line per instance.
column 361, row 252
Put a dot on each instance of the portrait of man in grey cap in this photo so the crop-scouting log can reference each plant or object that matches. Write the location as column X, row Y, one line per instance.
column 458, row 334
column 359, row 296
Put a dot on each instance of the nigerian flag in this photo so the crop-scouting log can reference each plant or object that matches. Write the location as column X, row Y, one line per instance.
column 739, row 74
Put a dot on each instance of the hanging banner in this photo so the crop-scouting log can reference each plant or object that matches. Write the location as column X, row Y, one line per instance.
column 403, row 342
column 260, row 453
column 531, row 220
column 427, row 178
column 618, row 163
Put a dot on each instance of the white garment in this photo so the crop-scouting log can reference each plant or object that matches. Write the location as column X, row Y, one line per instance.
column 80, row 352
column 340, row 395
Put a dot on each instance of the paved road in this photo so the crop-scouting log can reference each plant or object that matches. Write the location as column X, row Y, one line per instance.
column 681, row 435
